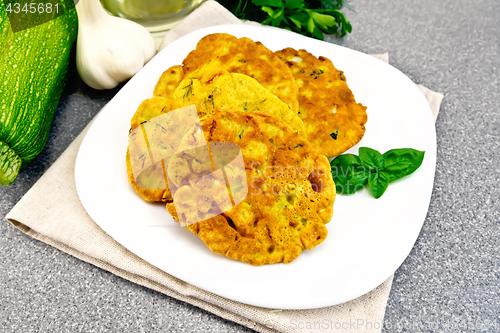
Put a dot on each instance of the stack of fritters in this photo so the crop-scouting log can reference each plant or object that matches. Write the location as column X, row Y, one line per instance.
column 286, row 111
column 290, row 192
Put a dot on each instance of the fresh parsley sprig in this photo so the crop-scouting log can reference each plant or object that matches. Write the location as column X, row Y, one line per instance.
column 352, row 173
column 314, row 18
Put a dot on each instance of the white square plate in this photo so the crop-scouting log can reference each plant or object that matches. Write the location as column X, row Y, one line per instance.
column 368, row 238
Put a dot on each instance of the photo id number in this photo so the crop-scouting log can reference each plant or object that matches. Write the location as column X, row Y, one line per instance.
column 32, row 8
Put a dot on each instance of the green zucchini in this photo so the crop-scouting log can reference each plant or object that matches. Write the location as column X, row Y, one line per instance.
column 33, row 66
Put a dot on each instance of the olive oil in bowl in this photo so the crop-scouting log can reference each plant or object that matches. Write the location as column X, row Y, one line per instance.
column 155, row 15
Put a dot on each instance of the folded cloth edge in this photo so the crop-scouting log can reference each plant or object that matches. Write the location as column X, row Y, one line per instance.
column 143, row 281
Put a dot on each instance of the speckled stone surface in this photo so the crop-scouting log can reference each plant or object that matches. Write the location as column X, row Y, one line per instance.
column 449, row 282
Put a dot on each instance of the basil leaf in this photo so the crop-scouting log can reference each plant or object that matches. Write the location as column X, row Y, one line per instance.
column 378, row 182
column 351, row 172
column 402, row 162
column 398, row 166
column 351, row 183
column 355, row 182
column 348, row 174
column 346, row 159
column 371, row 158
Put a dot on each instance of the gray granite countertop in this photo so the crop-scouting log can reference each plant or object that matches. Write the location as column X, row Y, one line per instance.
column 450, row 282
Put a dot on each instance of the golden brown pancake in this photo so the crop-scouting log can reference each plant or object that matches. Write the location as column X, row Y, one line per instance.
column 334, row 121
column 168, row 82
column 224, row 91
column 215, row 90
column 152, row 182
column 244, row 56
column 290, row 191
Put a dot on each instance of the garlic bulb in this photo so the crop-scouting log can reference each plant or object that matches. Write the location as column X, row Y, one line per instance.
column 109, row 49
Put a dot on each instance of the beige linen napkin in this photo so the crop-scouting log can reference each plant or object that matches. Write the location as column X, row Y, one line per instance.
column 61, row 221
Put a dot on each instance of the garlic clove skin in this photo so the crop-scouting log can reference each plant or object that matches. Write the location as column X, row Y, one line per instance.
column 109, row 49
